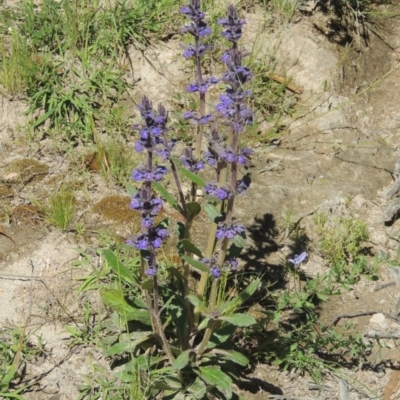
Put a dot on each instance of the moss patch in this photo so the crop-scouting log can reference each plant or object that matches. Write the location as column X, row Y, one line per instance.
column 6, row 191
column 27, row 214
column 116, row 209
column 28, row 169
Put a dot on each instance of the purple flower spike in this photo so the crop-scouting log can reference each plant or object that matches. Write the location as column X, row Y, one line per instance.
column 233, row 25
column 297, row 260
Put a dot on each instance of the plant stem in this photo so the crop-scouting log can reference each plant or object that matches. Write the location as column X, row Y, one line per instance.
column 160, row 331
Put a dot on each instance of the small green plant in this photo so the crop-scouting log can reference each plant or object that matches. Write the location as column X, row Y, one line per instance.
column 65, row 58
column 286, row 8
column 340, row 239
column 18, row 69
column 116, row 161
column 270, row 98
column 60, row 209
column 15, row 351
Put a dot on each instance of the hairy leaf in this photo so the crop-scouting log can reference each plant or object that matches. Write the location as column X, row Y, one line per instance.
column 214, row 376
column 194, row 209
column 239, row 319
column 212, row 211
column 182, row 360
column 167, row 196
column 195, row 264
column 193, row 177
column 116, row 300
column 190, row 247
column 118, row 267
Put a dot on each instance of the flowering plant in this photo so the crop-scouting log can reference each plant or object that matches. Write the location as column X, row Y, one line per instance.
column 191, row 320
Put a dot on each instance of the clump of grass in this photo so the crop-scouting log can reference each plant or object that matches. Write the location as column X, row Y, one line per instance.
column 66, row 58
column 116, row 161
column 60, row 209
column 340, row 239
column 15, row 351
column 17, row 67
column 270, row 98
column 285, row 8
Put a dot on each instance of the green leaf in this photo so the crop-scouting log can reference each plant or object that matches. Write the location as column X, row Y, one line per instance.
column 176, row 160
column 125, row 347
column 115, row 299
column 294, row 346
column 234, row 356
column 190, row 247
column 220, row 336
column 239, row 241
column 212, row 211
column 148, row 284
column 118, row 267
column 182, row 360
column 193, row 177
column 239, row 319
column 43, row 118
column 167, row 196
column 203, row 324
column 233, row 251
column 194, row 209
column 194, row 300
column 195, row 264
column 198, row 389
column 241, row 298
column 214, row 376
column 130, row 189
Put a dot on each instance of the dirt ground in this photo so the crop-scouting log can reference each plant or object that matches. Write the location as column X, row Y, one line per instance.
column 338, row 154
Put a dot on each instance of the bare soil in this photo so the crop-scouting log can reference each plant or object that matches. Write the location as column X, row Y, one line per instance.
column 337, row 154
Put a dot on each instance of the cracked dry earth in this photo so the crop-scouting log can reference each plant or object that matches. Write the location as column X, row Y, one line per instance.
column 338, row 155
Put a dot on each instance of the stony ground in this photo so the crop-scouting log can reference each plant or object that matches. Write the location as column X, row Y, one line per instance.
column 338, row 154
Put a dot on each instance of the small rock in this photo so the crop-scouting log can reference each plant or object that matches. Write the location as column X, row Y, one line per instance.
column 378, row 322
column 11, row 177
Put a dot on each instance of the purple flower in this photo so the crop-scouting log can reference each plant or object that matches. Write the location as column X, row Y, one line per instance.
column 244, row 156
column 191, row 51
column 142, row 175
column 231, row 264
column 229, row 231
column 227, row 155
column 140, row 242
column 151, row 271
column 159, row 172
column 221, row 192
column 241, row 186
column 149, row 205
column 297, row 260
column 201, row 87
column 153, row 237
column 192, row 116
column 232, row 24
column 147, row 222
column 193, row 11
column 192, row 164
column 215, row 271
column 210, row 158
